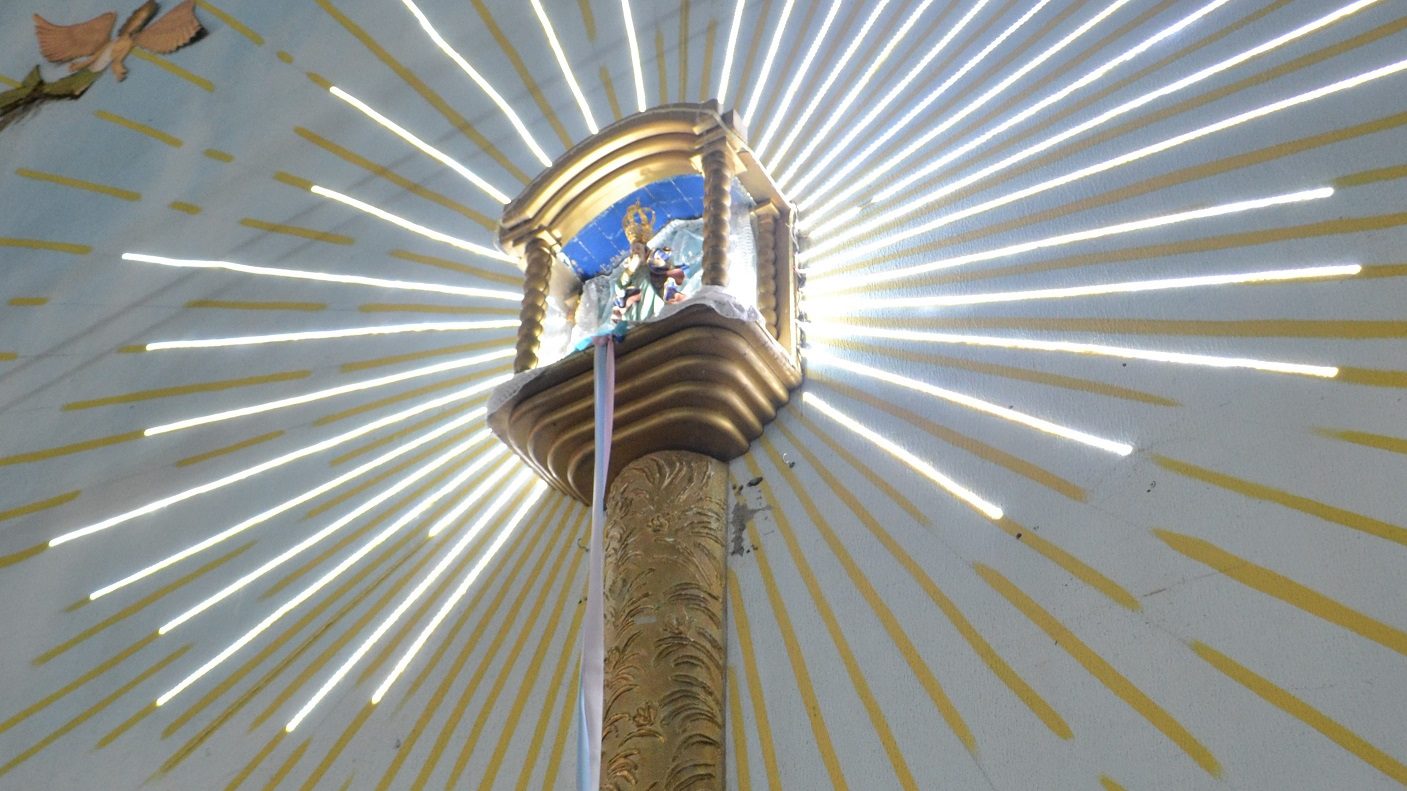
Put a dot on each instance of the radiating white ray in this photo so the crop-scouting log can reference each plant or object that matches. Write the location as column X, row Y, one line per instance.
column 1072, row 347
column 331, row 392
column 429, row 579
column 371, row 503
column 986, row 507
column 294, row 502
column 424, row 147
column 326, row 277
column 820, row 306
column 730, row 51
column 835, row 116
column 639, row 73
column 820, row 93
column 801, row 71
column 927, row 198
column 285, row 608
column 827, row 359
column 409, row 654
column 479, row 80
column 565, row 65
column 826, row 283
column 874, row 173
column 856, row 128
column 278, row 461
column 760, row 83
column 413, row 227
column 317, row 335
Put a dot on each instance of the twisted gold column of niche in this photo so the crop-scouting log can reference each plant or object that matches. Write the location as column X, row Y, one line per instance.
column 665, row 641
column 765, row 219
column 718, row 203
column 536, row 277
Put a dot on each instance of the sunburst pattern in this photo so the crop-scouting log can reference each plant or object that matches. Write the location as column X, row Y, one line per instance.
column 1093, row 481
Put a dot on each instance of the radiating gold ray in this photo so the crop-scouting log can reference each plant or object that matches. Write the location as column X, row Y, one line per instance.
column 40, row 505
column 741, row 78
column 1379, row 441
column 79, row 184
column 524, row 74
column 28, row 302
column 706, row 77
column 330, row 757
column 662, row 73
column 226, row 304
column 976, row 447
column 1338, row 329
column 610, row 89
column 738, row 753
column 218, row 155
column 507, row 279
column 140, row 128
column 1102, row 671
column 737, row 615
column 297, row 230
column 352, row 491
column 984, row 650
column 100, row 669
column 215, row 386
column 557, row 681
column 184, row 207
column 451, row 412
column 369, row 406
column 126, row 725
column 588, row 20
column 416, row 84
column 409, row 307
column 565, row 717
column 287, row 766
column 1287, row 590
column 795, row 656
column 1073, row 565
column 1372, row 377
column 683, row 59
column 44, row 244
column 917, row 665
column 228, row 449
column 237, row 782
column 284, row 56
column 171, row 68
column 384, row 172
column 67, row 450
column 1107, row 783
column 228, row 19
column 296, row 182
column 21, row 556
column 1256, row 491
column 841, row 452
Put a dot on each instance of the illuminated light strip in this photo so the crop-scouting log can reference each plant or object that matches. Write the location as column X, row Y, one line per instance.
column 1088, row 78
column 811, row 53
column 395, row 219
column 314, row 335
column 566, row 67
column 409, row 654
column 838, row 113
column 324, row 277
column 834, row 74
column 478, row 79
column 367, row 506
column 289, row 504
column 455, row 552
column 845, row 305
column 1026, row 153
column 318, row 395
column 920, row 69
column 850, row 283
column 949, row 485
column 986, row 407
column 278, row 461
column 284, row 609
column 634, row 55
column 767, row 61
column 731, row 51
column 1027, row 344
column 434, row 153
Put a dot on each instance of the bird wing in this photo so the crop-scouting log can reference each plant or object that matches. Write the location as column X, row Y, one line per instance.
column 171, row 32
column 59, row 43
column 139, row 18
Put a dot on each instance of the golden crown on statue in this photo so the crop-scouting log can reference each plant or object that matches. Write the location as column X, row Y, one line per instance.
column 639, row 223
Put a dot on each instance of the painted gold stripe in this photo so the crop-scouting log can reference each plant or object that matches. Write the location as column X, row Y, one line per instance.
column 1293, row 706
column 93, row 711
column 558, row 681
column 227, row 304
column 297, row 182
column 100, row 669
column 235, row 24
column 706, row 78
column 743, row 76
column 171, row 68
column 238, row 446
column 737, row 614
column 405, row 432
column 8, row 356
column 875, row 479
column 1340, row 329
column 1392, row 444
column 524, row 74
column 735, row 722
column 1383, row 270
column 42, row 244
column 66, row 450
column 1305, row 505
column 683, row 50
column 320, row 771
column 184, row 207
column 994, row 662
column 459, row 348
column 661, row 73
column 19, row 557
column 1107, row 783
column 559, row 738
column 218, row 155
column 1372, row 377
column 416, row 84
column 1286, row 590
column 588, row 20
column 139, row 605
column 1371, row 176
column 28, row 302
column 140, row 128
column 925, row 675
column 287, row 766
column 180, row 390
column 1102, row 671
column 298, row 231
column 455, row 266
column 284, row 56
column 386, row 173
column 611, row 97
column 237, row 781
column 1072, row 565
column 964, row 442
column 41, row 505
column 370, row 406
column 464, row 310
column 319, row 80
column 126, row 725
column 79, row 184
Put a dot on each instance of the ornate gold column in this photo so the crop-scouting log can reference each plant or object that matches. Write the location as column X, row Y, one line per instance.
column 718, row 205
column 537, row 275
column 665, row 547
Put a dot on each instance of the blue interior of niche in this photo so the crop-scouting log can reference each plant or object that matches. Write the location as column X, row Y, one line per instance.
column 594, row 247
